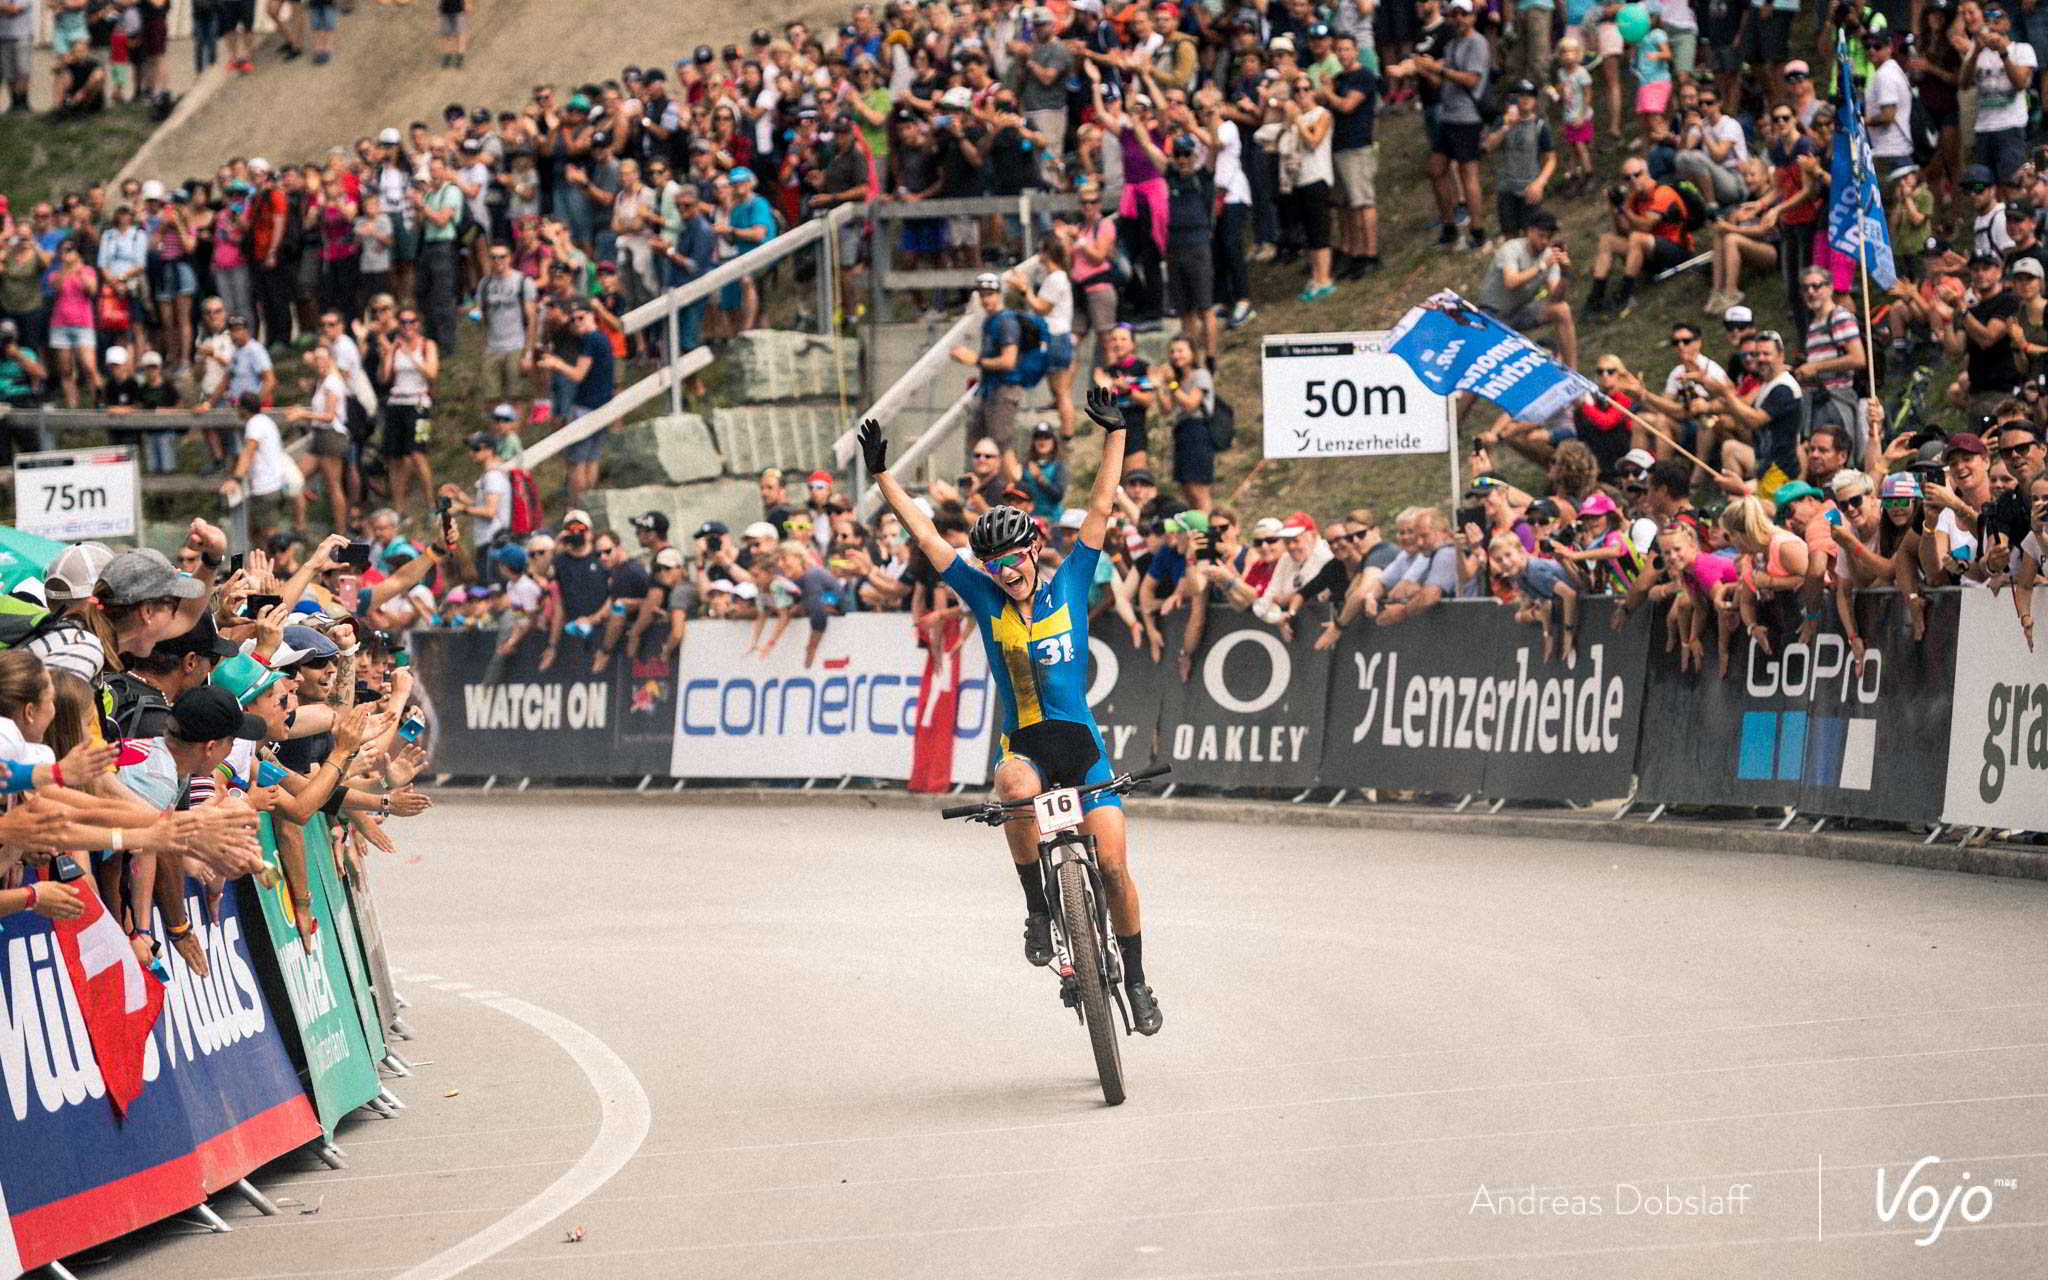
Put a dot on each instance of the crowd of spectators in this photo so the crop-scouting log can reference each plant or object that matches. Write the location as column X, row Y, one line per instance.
column 152, row 711
column 1195, row 141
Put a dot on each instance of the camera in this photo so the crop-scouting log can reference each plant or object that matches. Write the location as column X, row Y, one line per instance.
column 1617, row 196
column 1475, row 513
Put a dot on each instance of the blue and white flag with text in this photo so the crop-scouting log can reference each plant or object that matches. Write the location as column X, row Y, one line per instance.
column 1454, row 346
column 1856, row 225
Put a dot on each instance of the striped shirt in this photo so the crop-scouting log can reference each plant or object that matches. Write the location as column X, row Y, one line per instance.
column 1828, row 336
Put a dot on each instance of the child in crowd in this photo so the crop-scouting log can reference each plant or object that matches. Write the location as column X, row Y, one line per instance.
column 1574, row 90
column 1548, row 599
column 1652, row 67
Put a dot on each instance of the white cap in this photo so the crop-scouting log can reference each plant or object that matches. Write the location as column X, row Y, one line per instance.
column 959, row 97
column 762, row 529
column 152, row 190
column 117, row 355
column 1461, row 5
column 720, row 584
column 576, row 515
column 505, row 413
column 1638, row 458
column 746, row 590
column 389, row 137
column 258, row 164
column 1738, row 314
column 988, row 282
column 1267, row 527
column 150, row 358
column 1281, row 44
column 76, row 571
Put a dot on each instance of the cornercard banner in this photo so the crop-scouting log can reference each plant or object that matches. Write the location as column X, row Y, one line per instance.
column 1251, row 711
column 851, row 711
column 1997, row 774
column 219, row 1095
column 1461, row 701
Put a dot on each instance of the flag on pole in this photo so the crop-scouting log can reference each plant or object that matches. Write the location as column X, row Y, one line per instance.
column 1453, row 346
column 118, row 999
column 1856, row 225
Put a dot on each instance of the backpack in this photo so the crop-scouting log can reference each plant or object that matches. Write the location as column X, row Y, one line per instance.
column 526, row 515
column 1696, row 204
column 22, row 621
column 1222, row 423
column 1033, row 337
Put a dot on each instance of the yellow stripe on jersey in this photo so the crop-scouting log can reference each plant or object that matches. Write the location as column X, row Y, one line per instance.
column 1015, row 637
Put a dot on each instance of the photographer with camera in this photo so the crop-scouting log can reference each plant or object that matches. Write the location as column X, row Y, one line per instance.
column 21, row 371
column 1649, row 236
column 1524, row 287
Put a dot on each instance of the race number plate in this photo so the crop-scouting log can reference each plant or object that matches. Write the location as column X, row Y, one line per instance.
column 1057, row 811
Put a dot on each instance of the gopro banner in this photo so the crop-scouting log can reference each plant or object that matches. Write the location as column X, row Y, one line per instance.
column 851, row 710
column 219, row 1096
column 1877, row 736
column 1997, row 771
column 1250, row 711
column 1461, row 702
column 1125, row 687
column 1738, row 739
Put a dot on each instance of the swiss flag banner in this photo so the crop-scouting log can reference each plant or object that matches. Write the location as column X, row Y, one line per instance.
column 119, row 999
column 938, row 710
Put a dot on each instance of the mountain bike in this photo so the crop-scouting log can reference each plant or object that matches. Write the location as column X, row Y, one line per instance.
column 1085, row 958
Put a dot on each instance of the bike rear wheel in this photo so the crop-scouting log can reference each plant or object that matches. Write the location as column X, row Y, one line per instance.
column 1086, row 944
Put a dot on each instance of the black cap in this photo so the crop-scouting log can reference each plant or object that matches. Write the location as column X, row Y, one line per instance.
column 454, row 111
column 482, row 115
column 711, row 527
column 1522, row 86
column 651, row 522
column 763, row 35
column 703, row 54
column 482, row 440
column 1139, row 475
column 210, row 713
column 1184, row 144
column 2018, row 209
column 730, row 51
column 204, row 638
column 1881, row 36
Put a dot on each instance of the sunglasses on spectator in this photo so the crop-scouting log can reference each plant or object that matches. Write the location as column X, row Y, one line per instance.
column 1782, row 117
column 1815, row 284
column 1608, row 370
column 408, row 319
column 1684, row 339
column 2017, row 450
column 979, row 454
column 1851, row 502
column 1267, row 542
column 1896, row 504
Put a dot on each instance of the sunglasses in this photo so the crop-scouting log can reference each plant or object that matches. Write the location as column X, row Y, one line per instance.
column 1852, row 502
column 1811, row 285
column 1267, row 542
column 986, row 456
column 1608, row 371
column 1782, row 117
column 1013, row 560
column 1897, row 504
column 1684, row 339
column 2017, row 450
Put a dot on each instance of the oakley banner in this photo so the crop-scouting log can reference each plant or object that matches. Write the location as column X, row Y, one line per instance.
column 1250, row 712
column 1998, row 737
column 1125, row 687
column 850, row 710
column 1460, row 701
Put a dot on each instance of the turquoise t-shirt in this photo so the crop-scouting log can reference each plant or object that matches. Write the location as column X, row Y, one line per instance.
column 1651, row 70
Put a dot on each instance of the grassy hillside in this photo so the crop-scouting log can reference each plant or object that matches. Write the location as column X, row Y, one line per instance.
column 41, row 158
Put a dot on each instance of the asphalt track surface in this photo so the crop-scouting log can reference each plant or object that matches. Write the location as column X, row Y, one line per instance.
column 798, row 1041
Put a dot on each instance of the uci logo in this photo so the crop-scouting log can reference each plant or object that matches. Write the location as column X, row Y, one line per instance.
column 1924, row 1204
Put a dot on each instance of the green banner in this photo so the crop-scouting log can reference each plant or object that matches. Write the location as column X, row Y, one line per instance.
column 337, row 906
column 334, row 1055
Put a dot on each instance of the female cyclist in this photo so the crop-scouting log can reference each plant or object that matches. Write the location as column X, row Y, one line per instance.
column 1034, row 627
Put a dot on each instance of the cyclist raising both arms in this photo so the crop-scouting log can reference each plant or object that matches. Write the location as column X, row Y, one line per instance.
column 1035, row 629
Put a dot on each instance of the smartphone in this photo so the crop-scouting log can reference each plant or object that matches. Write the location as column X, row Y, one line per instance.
column 347, row 590
column 269, row 773
column 401, row 659
column 256, row 604
column 1834, row 517
column 236, row 561
column 65, row 868
column 356, row 555
column 1962, row 553
column 412, row 726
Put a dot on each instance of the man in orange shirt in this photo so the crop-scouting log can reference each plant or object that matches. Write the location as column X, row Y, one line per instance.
column 1649, row 236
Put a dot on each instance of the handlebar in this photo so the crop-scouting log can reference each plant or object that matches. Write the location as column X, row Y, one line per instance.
column 995, row 812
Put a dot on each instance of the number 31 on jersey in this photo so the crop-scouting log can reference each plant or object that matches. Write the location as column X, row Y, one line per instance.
column 1054, row 650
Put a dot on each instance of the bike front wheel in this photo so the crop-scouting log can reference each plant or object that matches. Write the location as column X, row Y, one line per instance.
column 1079, row 917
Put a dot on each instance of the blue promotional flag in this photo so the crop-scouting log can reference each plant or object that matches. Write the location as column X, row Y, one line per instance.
column 1856, row 225
column 1453, row 346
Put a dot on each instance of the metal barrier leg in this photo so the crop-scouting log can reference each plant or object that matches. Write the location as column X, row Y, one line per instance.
column 1498, row 805
column 57, row 1271
column 1791, row 816
column 1655, row 814
column 1303, row 796
column 646, row 781
column 1818, row 825
column 524, row 783
column 1935, row 834
column 390, row 1099
column 202, row 1214
column 1463, row 804
column 330, row 1155
column 396, row 1065
column 1338, row 798
column 257, row 1200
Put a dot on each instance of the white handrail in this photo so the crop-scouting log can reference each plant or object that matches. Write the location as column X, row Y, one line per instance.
column 871, row 498
column 616, row 408
column 733, row 270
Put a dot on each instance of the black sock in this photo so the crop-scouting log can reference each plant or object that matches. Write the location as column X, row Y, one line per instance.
column 1599, row 294
column 1628, row 291
column 1133, row 950
column 1034, row 887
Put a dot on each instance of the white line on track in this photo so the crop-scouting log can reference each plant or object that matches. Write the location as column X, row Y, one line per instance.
column 625, row 1119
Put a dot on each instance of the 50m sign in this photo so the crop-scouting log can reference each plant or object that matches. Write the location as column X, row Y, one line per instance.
column 1329, row 395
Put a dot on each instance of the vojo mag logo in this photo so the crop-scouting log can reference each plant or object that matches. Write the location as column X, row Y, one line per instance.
column 1796, row 745
column 1924, row 1205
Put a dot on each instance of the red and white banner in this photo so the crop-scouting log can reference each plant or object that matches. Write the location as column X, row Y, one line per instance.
column 938, row 711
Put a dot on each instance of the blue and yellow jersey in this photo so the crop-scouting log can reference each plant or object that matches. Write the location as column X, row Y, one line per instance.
column 1038, row 657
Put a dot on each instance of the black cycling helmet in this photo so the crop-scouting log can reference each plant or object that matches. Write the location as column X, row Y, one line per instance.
column 1000, row 529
